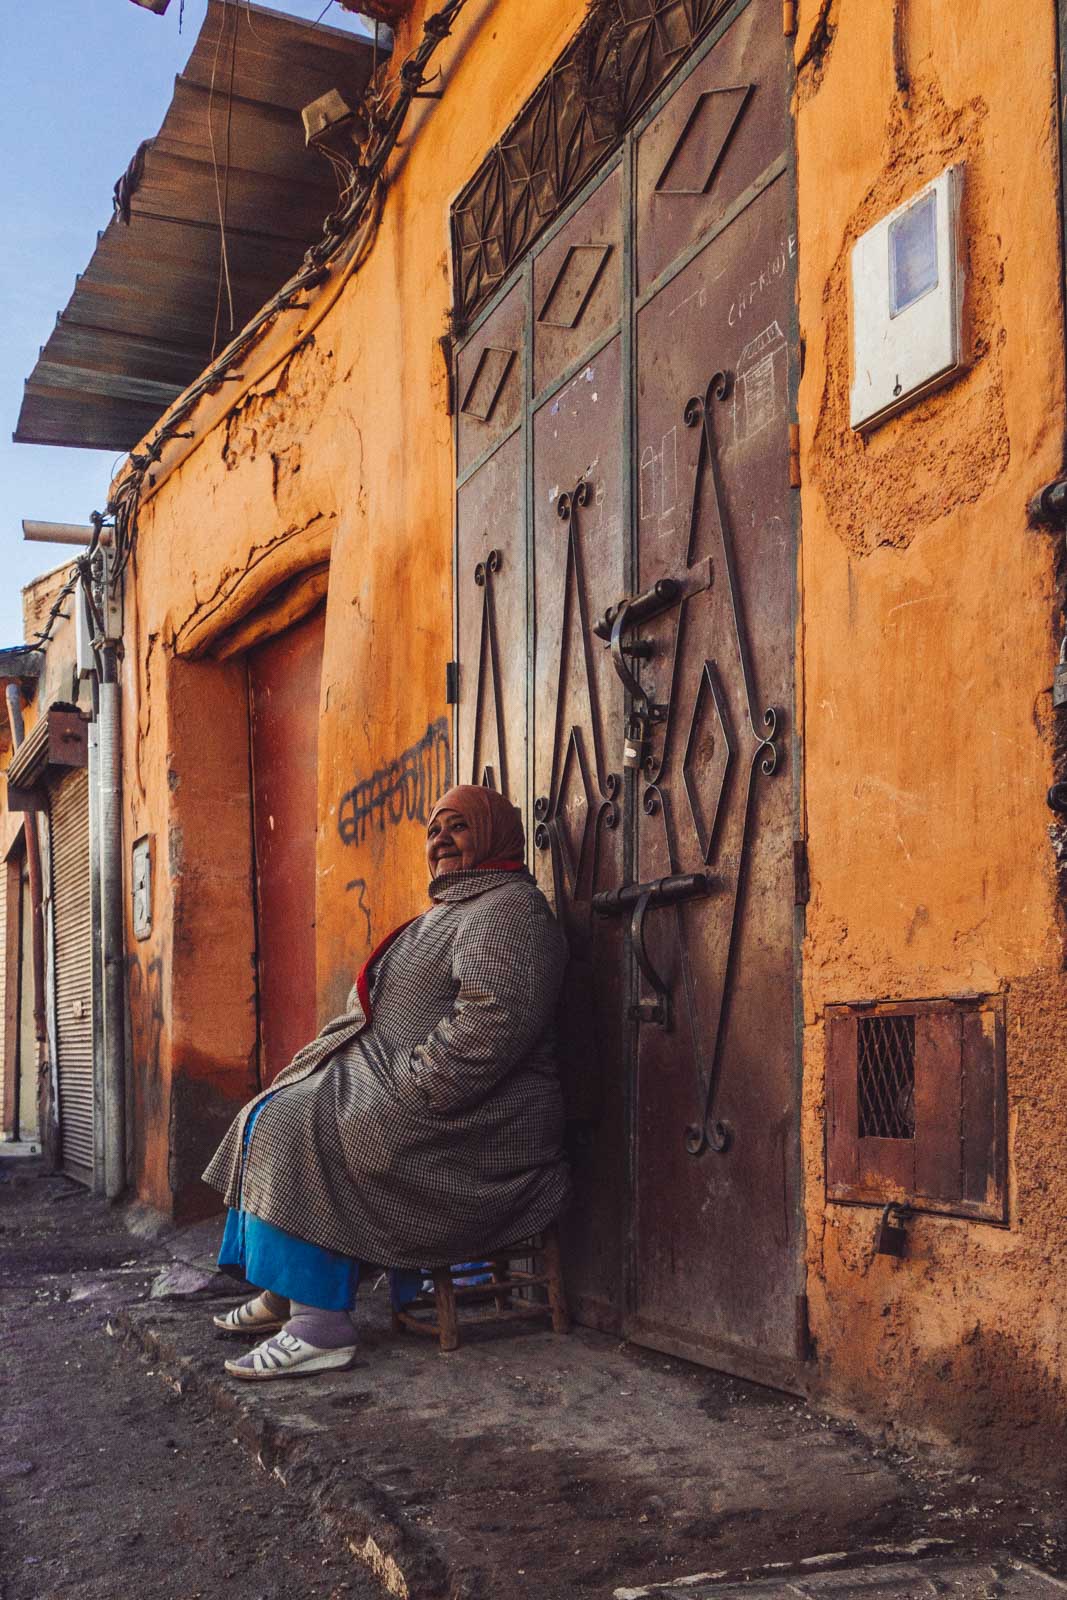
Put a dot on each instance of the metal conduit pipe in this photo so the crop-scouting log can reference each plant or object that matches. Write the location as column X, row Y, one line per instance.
column 111, row 921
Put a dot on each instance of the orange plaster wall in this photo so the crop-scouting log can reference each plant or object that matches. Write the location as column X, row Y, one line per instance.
column 928, row 637
column 343, row 451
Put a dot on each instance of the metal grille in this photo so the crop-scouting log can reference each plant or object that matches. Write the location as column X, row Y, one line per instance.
column 885, row 1048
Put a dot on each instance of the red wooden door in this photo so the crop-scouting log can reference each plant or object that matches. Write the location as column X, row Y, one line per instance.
column 283, row 693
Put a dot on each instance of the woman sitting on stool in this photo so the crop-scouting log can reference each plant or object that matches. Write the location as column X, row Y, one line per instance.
column 422, row 1127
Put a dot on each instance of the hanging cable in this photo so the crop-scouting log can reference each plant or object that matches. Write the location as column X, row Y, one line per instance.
column 221, row 196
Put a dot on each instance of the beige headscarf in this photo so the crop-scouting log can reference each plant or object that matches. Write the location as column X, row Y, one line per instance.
column 495, row 824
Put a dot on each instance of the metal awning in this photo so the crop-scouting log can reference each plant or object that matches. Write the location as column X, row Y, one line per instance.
column 140, row 325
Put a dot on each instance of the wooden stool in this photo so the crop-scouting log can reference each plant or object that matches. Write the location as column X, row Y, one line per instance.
column 437, row 1314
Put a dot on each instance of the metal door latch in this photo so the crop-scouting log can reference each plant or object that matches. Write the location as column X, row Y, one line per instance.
column 645, row 710
column 639, row 899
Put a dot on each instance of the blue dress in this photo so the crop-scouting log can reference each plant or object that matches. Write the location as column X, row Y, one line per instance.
column 273, row 1259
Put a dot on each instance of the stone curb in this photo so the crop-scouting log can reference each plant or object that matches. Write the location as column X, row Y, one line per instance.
column 346, row 1507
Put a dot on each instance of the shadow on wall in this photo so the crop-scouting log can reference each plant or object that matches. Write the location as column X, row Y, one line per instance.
column 987, row 1399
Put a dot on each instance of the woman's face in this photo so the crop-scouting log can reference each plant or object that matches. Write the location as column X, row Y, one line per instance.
column 449, row 843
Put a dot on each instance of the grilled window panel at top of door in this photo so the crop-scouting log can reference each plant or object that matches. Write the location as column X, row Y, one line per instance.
column 73, row 967
column 916, row 1106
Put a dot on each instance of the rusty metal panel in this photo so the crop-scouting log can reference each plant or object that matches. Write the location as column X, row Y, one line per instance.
column 491, row 609
column 983, row 1113
column 927, row 1126
column 577, row 283
column 938, row 1154
column 717, row 1118
column 283, row 689
column 841, row 1110
column 579, row 548
column 489, row 387
column 711, row 141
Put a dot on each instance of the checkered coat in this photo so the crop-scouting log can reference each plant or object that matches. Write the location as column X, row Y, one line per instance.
column 433, row 1133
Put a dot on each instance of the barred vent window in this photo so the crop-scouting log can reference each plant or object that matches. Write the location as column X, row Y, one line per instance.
column 886, row 1077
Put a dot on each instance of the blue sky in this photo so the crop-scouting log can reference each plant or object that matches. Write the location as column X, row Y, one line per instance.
column 84, row 82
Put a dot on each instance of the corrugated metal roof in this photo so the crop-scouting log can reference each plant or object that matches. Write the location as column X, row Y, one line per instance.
column 140, row 325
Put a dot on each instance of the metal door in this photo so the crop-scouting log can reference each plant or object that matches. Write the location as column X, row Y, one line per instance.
column 716, row 1112
column 69, row 825
column 283, row 686
column 643, row 412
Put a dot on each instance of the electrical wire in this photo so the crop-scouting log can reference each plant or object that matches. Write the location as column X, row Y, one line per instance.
column 221, row 198
column 252, row 28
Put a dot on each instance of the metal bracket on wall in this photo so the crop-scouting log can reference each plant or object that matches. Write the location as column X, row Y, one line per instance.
column 639, row 899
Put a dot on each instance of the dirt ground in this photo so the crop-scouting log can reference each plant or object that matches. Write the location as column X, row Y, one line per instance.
column 524, row 1465
column 111, row 1483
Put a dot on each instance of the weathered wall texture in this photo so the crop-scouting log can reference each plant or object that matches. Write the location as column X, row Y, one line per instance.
column 928, row 638
column 342, row 453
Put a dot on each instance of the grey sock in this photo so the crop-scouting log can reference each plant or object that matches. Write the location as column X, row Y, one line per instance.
column 276, row 1304
column 327, row 1330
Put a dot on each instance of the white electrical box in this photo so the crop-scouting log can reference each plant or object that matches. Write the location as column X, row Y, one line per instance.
column 142, row 887
column 907, row 302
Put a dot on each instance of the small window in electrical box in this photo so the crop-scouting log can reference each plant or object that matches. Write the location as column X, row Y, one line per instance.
column 141, row 875
column 913, row 255
column 915, row 1106
column 907, row 303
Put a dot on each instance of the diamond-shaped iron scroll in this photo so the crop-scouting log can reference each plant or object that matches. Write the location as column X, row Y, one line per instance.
column 581, row 796
column 489, row 682
column 705, row 1133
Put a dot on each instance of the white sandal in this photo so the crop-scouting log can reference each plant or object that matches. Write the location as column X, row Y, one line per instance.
column 285, row 1355
column 252, row 1317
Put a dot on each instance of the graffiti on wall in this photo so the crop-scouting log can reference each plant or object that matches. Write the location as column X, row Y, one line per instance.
column 402, row 791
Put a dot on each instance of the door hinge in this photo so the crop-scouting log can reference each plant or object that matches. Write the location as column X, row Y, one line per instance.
column 804, row 1342
column 445, row 346
column 801, row 876
column 451, row 683
column 789, row 17
column 794, row 455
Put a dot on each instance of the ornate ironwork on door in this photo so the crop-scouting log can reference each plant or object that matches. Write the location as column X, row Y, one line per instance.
column 650, row 623
column 575, row 851
column 576, row 117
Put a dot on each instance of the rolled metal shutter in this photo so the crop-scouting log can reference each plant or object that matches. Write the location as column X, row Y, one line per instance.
column 7, row 1090
column 74, row 971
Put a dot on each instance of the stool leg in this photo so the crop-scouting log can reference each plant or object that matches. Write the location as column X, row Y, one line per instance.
column 557, row 1299
column 501, row 1266
column 445, row 1307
